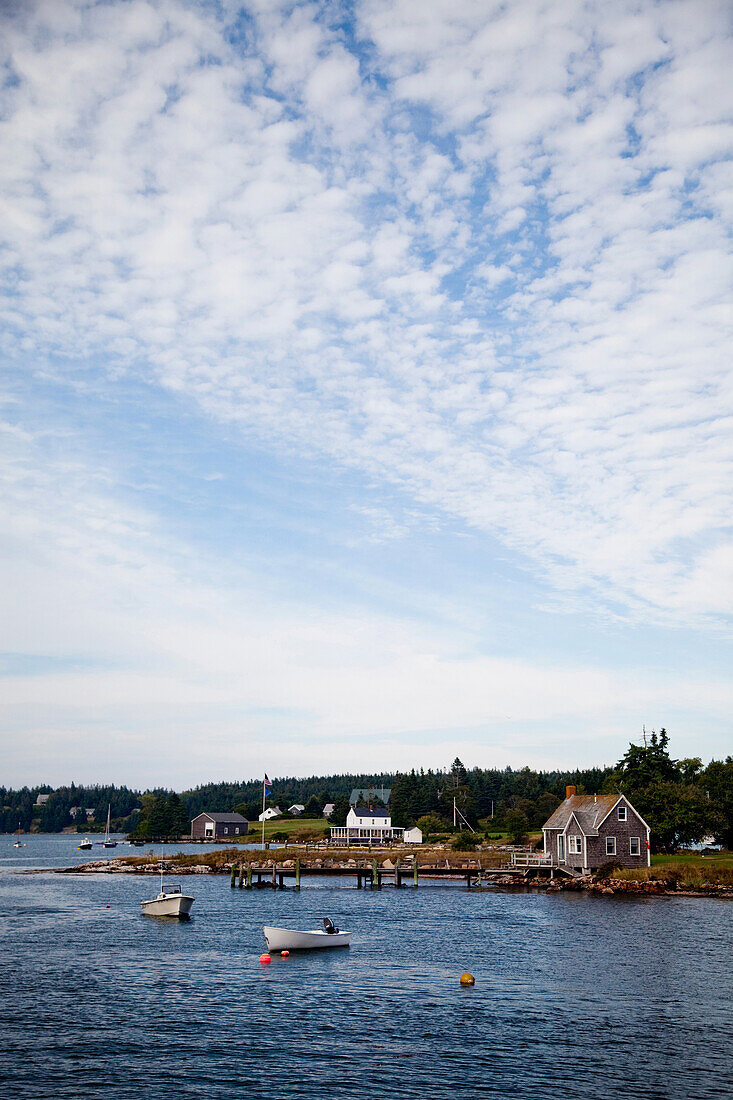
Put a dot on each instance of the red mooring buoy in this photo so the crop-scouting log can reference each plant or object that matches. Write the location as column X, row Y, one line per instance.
column 284, row 954
column 265, row 959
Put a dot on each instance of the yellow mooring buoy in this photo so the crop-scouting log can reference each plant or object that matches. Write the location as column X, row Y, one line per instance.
column 467, row 979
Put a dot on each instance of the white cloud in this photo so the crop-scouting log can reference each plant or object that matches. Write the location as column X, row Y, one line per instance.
column 477, row 256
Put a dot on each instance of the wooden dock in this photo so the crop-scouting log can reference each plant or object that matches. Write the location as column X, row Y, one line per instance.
column 374, row 875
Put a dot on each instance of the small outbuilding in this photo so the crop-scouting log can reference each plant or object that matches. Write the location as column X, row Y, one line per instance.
column 296, row 809
column 215, row 826
column 588, row 830
column 413, row 835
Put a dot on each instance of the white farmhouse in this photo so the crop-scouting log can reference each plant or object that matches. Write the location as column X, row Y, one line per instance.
column 366, row 826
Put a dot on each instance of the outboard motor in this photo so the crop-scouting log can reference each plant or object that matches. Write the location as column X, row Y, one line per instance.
column 329, row 926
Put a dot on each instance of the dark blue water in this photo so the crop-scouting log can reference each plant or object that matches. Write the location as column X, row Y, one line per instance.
column 575, row 996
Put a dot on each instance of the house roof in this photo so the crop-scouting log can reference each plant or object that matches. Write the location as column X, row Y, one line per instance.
column 589, row 811
column 366, row 811
column 224, row 817
column 365, row 793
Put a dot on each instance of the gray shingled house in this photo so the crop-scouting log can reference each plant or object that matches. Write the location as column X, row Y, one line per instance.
column 216, row 826
column 588, row 830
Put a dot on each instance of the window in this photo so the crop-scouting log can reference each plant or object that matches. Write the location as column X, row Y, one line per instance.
column 622, row 813
column 634, row 846
column 226, row 831
column 610, row 845
column 575, row 847
column 237, row 829
column 561, row 847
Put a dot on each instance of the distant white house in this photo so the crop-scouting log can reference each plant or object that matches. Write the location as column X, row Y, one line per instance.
column 328, row 809
column 296, row 809
column 42, row 799
column 269, row 813
column 413, row 835
column 366, row 826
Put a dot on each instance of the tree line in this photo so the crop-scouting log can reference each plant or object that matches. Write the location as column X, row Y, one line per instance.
column 79, row 805
column 683, row 801
column 286, row 791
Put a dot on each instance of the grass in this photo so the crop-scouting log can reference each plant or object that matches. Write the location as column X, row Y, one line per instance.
column 296, row 827
column 694, row 859
column 684, row 868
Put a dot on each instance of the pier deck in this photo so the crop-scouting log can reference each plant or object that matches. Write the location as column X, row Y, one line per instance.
column 374, row 876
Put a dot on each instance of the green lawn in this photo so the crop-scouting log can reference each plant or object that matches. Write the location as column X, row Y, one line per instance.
column 294, row 827
column 695, row 859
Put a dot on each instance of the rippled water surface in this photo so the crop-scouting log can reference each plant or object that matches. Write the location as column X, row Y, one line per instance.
column 574, row 996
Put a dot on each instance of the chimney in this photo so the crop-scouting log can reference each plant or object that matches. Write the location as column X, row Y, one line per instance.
column 569, row 792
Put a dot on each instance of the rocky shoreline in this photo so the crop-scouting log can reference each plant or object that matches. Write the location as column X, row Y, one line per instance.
column 606, row 887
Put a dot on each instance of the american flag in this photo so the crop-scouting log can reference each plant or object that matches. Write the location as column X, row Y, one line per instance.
column 268, row 786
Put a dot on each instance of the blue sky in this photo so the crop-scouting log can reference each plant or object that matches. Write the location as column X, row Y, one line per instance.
column 366, row 392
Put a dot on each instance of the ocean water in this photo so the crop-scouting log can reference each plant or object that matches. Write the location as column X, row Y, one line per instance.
column 575, row 996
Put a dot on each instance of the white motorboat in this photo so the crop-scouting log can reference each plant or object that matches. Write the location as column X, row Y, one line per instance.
column 289, row 939
column 170, row 902
column 85, row 846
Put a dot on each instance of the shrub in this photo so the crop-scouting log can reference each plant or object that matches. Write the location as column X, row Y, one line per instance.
column 464, row 842
column 431, row 823
column 606, row 870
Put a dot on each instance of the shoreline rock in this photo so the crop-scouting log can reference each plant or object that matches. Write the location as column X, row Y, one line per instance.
column 611, row 887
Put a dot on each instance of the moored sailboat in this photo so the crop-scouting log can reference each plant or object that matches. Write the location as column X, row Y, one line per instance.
column 108, row 842
column 18, row 842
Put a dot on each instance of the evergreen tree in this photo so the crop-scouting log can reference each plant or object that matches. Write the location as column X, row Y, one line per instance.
column 178, row 818
column 341, row 811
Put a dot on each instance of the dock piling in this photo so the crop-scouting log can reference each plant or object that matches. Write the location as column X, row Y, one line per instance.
column 249, row 877
column 297, row 874
column 233, row 877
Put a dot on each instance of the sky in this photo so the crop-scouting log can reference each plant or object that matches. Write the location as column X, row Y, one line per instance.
column 365, row 389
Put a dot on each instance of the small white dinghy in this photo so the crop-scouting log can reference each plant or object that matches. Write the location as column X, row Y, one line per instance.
column 289, row 939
